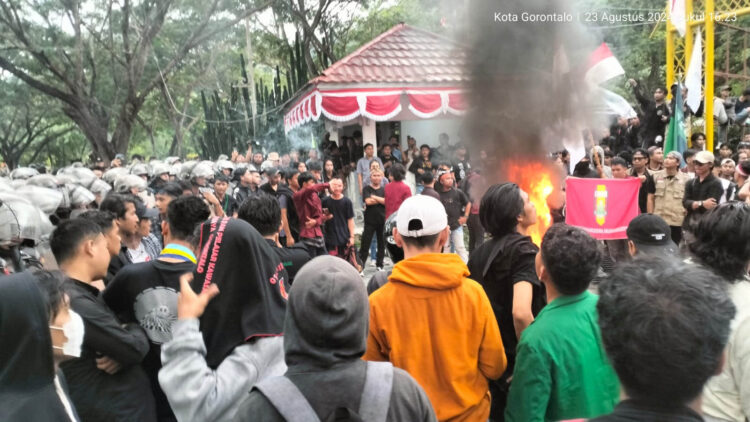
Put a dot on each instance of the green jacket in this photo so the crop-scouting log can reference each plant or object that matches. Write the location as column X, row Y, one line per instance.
column 562, row 371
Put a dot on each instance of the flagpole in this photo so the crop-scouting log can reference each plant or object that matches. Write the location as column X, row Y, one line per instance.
column 688, row 33
column 708, row 105
column 658, row 23
column 670, row 56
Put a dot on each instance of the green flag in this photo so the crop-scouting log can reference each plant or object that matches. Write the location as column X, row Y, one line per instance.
column 675, row 140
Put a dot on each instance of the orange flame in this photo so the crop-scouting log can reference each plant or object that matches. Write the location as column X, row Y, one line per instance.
column 536, row 180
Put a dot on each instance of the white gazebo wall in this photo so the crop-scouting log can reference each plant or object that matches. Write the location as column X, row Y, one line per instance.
column 369, row 134
column 332, row 130
column 427, row 131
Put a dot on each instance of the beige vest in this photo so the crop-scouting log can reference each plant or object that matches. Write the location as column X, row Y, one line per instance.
column 668, row 197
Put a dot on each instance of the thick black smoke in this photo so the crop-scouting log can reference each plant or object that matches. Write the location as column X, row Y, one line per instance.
column 526, row 85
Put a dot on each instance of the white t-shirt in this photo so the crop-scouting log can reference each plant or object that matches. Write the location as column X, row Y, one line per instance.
column 727, row 396
column 139, row 254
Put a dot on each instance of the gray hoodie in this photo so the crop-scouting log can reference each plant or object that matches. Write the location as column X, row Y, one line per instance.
column 325, row 337
column 198, row 393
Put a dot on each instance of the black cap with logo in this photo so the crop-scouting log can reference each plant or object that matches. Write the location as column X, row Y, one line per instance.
column 651, row 233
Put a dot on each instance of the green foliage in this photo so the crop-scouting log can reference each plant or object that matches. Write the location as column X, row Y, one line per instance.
column 29, row 127
column 231, row 125
column 637, row 46
column 737, row 45
column 425, row 14
column 203, row 103
column 101, row 61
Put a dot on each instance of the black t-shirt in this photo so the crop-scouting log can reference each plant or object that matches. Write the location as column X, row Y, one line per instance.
column 146, row 293
column 374, row 214
column 647, row 186
column 461, row 169
column 286, row 202
column 431, row 192
column 292, row 258
column 229, row 205
column 454, row 202
column 697, row 190
column 337, row 228
column 630, row 410
column 741, row 105
column 498, row 264
column 653, row 118
column 391, row 159
column 420, row 163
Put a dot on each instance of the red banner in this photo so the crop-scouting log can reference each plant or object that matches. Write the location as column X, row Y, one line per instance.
column 602, row 207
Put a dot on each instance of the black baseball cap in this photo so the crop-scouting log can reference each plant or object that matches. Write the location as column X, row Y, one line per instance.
column 651, row 234
column 144, row 212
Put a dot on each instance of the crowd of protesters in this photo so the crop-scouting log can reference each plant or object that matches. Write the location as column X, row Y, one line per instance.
column 234, row 290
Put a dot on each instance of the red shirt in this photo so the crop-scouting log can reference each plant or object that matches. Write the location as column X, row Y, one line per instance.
column 395, row 194
column 307, row 204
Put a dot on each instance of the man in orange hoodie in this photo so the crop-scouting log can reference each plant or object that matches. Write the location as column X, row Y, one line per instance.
column 434, row 322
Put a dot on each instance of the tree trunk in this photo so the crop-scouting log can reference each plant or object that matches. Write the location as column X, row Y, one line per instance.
column 94, row 130
column 125, row 122
column 176, row 146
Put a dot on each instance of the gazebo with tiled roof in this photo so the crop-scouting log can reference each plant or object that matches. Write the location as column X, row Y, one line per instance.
column 406, row 73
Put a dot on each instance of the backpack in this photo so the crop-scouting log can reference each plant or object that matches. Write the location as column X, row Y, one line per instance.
column 373, row 406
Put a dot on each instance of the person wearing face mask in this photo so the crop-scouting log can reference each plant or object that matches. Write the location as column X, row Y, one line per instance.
column 66, row 329
column 106, row 381
column 29, row 388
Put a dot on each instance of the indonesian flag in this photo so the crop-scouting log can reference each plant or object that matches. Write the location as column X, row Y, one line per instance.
column 677, row 15
column 602, row 207
column 602, row 66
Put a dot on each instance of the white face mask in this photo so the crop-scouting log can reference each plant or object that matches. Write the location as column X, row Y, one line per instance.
column 73, row 331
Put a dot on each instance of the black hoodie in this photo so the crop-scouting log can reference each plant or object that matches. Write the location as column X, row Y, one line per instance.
column 325, row 336
column 252, row 283
column 27, row 371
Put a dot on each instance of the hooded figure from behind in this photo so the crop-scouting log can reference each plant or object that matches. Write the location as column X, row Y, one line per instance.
column 212, row 362
column 325, row 336
column 27, row 371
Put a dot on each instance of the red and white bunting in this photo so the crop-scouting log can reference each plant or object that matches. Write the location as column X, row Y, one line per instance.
column 378, row 104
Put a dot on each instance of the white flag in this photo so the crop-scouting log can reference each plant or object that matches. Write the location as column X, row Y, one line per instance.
column 607, row 102
column 693, row 76
column 677, row 16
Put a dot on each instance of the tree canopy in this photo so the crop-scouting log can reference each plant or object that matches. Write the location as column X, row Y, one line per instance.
column 93, row 78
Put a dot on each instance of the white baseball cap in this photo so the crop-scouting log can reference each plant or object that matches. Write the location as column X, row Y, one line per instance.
column 421, row 215
column 704, row 157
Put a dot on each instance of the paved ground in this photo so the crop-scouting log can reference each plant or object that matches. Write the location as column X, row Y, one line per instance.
column 370, row 269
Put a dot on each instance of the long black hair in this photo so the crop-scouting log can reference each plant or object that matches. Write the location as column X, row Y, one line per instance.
column 500, row 208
